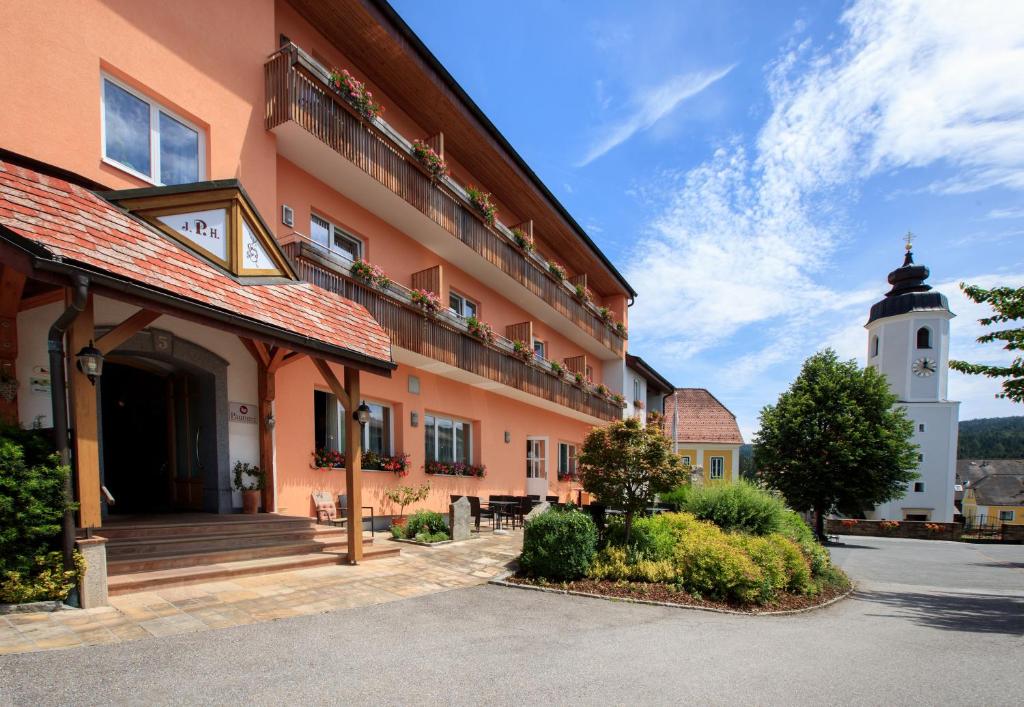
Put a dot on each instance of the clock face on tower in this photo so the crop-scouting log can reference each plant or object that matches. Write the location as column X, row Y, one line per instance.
column 923, row 367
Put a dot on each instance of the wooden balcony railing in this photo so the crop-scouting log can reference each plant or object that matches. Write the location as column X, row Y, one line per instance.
column 444, row 337
column 298, row 91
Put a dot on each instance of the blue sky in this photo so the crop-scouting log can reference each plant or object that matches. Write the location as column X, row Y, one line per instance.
column 752, row 167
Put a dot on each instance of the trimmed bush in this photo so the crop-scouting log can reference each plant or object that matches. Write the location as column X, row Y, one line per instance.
column 428, row 522
column 794, row 528
column 739, row 507
column 559, row 545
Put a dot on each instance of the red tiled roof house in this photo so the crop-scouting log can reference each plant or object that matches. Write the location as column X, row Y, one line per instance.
column 704, row 433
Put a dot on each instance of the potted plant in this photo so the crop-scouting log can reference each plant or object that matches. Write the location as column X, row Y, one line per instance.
column 581, row 293
column 426, row 300
column 404, row 496
column 556, row 269
column 620, row 329
column 522, row 240
column 481, row 330
column 428, row 157
column 250, row 480
column 522, row 351
column 370, row 274
column 355, row 92
column 482, row 201
column 557, row 369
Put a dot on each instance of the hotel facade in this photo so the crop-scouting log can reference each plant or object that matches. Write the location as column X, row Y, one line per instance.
column 263, row 215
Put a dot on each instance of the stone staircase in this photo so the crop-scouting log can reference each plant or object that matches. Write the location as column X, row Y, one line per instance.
column 159, row 551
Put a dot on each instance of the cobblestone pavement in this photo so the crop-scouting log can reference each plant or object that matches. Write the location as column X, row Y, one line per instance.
column 245, row 600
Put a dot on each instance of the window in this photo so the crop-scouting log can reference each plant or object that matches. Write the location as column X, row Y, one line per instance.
column 874, row 346
column 329, row 425
column 536, row 459
column 637, row 389
column 326, row 234
column 918, row 487
column 920, row 458
column 447, row 440
column 463, row 306
column 686, row 461
column 566, row 459
column 920, row 427
column 540, row 349
column 1006, row 516
column 717, row 467
column 924, row 338
column 148, row 140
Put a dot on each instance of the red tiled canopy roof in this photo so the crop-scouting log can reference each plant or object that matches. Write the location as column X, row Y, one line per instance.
column 698, row 416
column 75, row 225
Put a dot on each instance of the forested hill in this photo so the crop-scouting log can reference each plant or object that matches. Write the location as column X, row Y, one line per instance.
column 992, row 438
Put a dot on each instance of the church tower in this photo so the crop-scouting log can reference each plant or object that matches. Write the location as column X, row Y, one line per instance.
column 908, row 341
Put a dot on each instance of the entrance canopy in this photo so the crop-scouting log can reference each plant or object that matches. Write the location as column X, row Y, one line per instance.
column 56, row 228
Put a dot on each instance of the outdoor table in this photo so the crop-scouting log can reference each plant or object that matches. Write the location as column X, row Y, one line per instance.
column 499, row 507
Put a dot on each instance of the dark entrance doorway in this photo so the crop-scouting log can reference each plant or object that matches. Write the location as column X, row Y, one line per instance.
column 151, row 428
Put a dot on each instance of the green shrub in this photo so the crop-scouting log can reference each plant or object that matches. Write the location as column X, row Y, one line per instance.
column 794, row 528
column 709, row 565
column 653, row 537
column 559, row 545
column 428, row 522
column 740, row 506
column 46, row 579
column 612, row 563
column 426, row 537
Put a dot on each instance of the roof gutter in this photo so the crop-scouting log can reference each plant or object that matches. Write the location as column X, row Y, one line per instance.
column 432, row 61
column 300, row 343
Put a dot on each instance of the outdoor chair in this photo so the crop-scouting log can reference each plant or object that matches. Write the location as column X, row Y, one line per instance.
column 343, row 504
column 477, row 512
column 534, row 497
column 526, row 504
column 326, row 511
column 553, row 500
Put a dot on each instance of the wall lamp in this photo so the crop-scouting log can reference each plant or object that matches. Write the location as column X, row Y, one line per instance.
column 90, row 362
column 362, row 414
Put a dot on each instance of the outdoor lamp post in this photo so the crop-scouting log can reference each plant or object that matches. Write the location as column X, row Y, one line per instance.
column 362, row 414
column 90, row 362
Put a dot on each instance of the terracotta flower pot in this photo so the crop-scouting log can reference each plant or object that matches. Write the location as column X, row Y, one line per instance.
column 250, row 501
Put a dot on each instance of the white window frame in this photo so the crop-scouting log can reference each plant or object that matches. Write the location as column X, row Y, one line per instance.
column 875, row 344
column 637, row 389
column 573, row 457
column 463, row 299
column 711, row 468
column 540, row 349
column 536, row 467
column 1009, row 515
column 342, row 418
column 687, row 461
column 455, row 450
column 155, row 109
column 332, row 230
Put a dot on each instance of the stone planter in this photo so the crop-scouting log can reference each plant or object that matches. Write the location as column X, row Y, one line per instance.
column 250, row 501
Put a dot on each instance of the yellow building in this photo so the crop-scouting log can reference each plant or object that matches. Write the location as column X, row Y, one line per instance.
column 704, row 433
column 993, row 492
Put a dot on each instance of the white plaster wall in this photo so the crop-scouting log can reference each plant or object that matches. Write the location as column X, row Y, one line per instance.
column 33, row 327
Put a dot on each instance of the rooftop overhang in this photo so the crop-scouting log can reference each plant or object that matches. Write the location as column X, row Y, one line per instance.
column 653, row 378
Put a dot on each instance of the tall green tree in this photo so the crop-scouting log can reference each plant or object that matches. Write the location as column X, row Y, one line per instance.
column 835, row 440
column 1008, row 306
column 626, row 463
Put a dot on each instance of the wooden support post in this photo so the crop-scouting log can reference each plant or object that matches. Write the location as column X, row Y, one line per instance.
column 353, row 468
column 12, row 283
column 266, row 391
column 85, row 432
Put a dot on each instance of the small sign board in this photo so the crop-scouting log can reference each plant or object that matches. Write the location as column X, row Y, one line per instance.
column 244, row 413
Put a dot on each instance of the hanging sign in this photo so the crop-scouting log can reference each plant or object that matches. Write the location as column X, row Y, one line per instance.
column 243, row 413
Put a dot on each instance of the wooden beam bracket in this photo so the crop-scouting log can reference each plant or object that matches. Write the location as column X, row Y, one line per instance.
column 126, row 330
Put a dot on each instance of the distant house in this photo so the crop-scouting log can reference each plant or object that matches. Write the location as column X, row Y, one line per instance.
column 993, row 491
column 704, row 433
column 645, row 390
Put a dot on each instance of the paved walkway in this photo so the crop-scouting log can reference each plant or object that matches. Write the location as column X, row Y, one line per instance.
column 245, row 600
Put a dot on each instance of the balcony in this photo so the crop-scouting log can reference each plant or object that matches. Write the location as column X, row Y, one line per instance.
column 320, row 131
column 441, row 342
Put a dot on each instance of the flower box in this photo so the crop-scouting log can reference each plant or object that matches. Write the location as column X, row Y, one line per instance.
column 370, row 274
column 428, row 157
column 455, row 469
column 355, row 93
column 426, row 300
column 482, row 201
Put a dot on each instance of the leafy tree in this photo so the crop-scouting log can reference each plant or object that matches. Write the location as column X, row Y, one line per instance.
column 1008, row 305
column 626, row 463
column 835, row 441
column 992, row 438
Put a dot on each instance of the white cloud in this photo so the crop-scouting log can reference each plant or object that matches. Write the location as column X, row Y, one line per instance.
column 1012, row 213
column 649, row 107
column 743, row 241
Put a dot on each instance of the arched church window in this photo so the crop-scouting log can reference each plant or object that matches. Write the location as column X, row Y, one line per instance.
column 924, row 338
column 874, row 345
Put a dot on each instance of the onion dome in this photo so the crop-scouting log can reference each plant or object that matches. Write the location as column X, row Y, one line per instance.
column 909, row 293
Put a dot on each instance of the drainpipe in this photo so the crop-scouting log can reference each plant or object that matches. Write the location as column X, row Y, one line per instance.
column 59, row 401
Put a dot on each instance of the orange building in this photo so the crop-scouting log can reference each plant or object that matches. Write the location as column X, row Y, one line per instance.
column 245, row 204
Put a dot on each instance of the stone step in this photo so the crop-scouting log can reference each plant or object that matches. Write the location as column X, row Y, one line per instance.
column 140, row 547
column 177, row 528
column 191, row 559
column 156, row 579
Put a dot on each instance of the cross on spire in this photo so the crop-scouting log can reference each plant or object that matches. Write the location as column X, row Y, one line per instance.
column 909, row 238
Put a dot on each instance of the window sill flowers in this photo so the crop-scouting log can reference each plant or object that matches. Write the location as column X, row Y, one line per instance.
column 426, row 300
column 568, row 476
column 428, row 157
column 397, row 464
column 619, row 400
column 482, row 201
column 371, row 274
column 455, row 469
column 522, row 240
column 481, row 330
column 355, row 92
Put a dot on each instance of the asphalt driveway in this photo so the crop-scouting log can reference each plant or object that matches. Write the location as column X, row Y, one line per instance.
column 932, row 623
